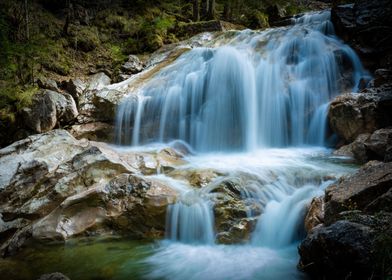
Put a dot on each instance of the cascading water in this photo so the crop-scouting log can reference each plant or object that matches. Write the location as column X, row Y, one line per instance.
column 254, row 89
column 253, row 98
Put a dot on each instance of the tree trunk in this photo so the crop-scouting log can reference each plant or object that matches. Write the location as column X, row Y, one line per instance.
column 68, row 18
column 227, row 11
column 26, row 10
column 211, row 10
column 196, row 15
column 204, row 9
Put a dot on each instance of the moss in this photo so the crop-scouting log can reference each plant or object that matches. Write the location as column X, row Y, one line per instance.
column 84, row 38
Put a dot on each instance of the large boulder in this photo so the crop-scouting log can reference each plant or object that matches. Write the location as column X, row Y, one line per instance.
column 353, row 239
column 48, row 110
column 128, row 204
column 353, row 114
column 358, row 191
column 53, row 186
column 340, row 249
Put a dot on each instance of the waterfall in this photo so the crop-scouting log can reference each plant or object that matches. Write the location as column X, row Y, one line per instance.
column 251, row 105
column 247, row 90
column 191, row 220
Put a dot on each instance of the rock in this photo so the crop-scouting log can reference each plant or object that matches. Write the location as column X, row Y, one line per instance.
column 75, row 87
column 359, row 148
column 275, row 14
column 341, row 249
column 380, row 142
column 49, row 174
column 53, row 187
column 353, row 114
column 48, row 84
column 98, row 81
column 358, row 191
column 315, row 214
column 16, row 242
column 53, row 276
column 132, row 66
column 100, row 104
column 41, row 116
column 48, row 110
column 96, row 131
column 129, row 204
column 235, row 215
column 345, row 151
column 364, row 26
column 375, row 146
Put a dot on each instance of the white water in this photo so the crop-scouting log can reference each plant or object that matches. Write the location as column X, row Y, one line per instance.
column 240, row 102
column 249, row 89
column 282, row 181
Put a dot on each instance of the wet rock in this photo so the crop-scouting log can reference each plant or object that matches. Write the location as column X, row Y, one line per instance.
column 356, row 113
column 364, row 26
column 54, row 187
column 358, row 191
column 375, row 146
column 17, row 241
column 127, row 204
column 132, row 66
column 341, row 249
column 359, row 148
column 315, row 214
column 48, row 110
column 235, row 214
column 380, row 142
column 53, row 276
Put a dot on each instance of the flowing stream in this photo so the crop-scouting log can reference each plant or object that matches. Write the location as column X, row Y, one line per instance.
column 253, row 106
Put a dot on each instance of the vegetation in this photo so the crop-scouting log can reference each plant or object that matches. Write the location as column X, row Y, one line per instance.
column 60, row 39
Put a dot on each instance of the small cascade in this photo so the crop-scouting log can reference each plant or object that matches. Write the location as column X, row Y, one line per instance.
column 191, row 220
column 247, row 90
column 281, row 224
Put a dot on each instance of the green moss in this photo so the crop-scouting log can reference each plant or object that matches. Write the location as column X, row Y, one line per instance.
column 84, row 38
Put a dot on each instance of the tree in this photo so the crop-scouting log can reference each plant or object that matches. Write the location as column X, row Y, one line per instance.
column 196, row 14
column 211, row 10
column 204, row 9
column 26, row 11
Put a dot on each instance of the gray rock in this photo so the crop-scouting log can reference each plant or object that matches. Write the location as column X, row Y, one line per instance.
column 133, row 65
column 98, row 81
column 48, row 84
column 75, row 87
column 49, row 109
